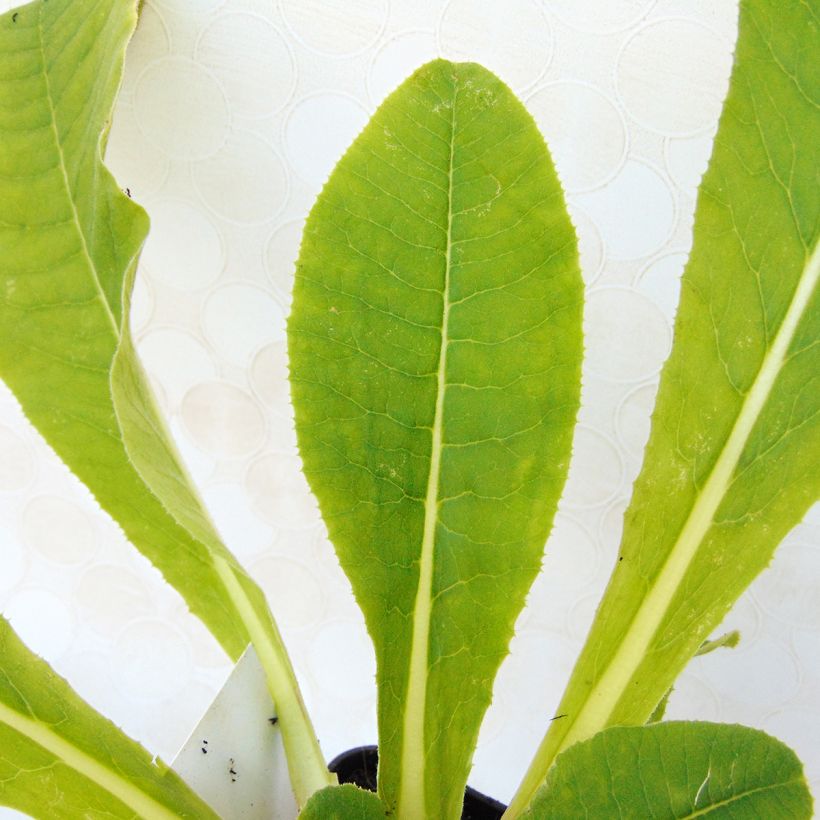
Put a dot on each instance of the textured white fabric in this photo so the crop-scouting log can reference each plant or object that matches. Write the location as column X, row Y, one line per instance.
column 231, row 115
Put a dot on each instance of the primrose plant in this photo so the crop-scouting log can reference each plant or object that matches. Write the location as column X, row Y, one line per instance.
column 435, row 350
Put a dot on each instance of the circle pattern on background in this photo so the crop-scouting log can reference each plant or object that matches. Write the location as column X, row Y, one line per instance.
column 142, row 305
column 17, row 461
column 596, row 470
column 223, row 420
column 243, row 532
column 190, row 6
column 318, row 131
column 42, row 620
column 336, row 27
column 269, row 377
column 699, row 697
column 173, row 97
column 572, row 116
column 633, row 418
column 251, row 60
column 245, row 182
column 349, row 653
column 138, row 165
column 240, row 319
column 789, row 590
column 281, row 253
column 189, row 265
column 275, row 496
column 176, row 359
column 660, row 281
column 151, row 660
column 512, row 39
column 111, row 596
column 150, row 42
column 781, row 680
column 58, row 529
column 396, row 60
column 294, row 592
column 644, row 334
column 572, row 555
column 590, row 245
column 600, row 16
column 666, row 73
column 640, row 229
column 13, row 556
column 687, row 159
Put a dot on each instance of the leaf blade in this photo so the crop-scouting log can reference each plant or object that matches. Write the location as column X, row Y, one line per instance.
column 69, row 238
column 434, row 402
column 677, row 769
column 345, row 802
column 728, row 469
column 69, row 243
column 57, row 751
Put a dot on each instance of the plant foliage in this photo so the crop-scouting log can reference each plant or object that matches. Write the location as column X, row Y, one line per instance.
column 61, row 759
column 675, row 770
column 69, row 243
column 435, row 349
column 435, row 346
column 731, row 463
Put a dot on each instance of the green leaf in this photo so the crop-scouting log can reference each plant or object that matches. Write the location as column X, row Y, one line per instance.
column 68, row 239
column 731, row 463
column 61, row 759
column 676, row 770
column 345, row 802
column 69, row 242
column 435, row 348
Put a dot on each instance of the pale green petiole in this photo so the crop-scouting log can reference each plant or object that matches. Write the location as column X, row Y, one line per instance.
column 306, row 764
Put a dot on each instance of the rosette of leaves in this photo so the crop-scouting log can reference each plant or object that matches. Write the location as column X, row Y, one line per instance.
column 435, row 350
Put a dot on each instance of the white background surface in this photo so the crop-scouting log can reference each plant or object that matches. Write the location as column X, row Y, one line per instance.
column 231, row 115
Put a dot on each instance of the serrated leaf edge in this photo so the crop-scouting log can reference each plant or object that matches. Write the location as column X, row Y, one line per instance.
column 106, row 778
column 610, row 686
column 604, row 696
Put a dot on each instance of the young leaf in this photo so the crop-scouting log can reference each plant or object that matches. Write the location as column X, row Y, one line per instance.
column 435, row 347
column 346, row 802
column 69, row 241
column 681, row 770
column 728, row 641
column 731, row 463
column 59, row 758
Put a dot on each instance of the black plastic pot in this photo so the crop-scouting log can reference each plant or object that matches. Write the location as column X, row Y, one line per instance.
column 359, row 766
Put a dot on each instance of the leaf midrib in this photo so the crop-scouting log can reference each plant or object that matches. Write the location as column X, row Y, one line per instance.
column 75, row 217
column 75, row 758
column 703, row 811
column 605, row 694
column 412, row 791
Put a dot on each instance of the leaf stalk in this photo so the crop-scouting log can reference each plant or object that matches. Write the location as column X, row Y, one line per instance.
column 306, row 764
